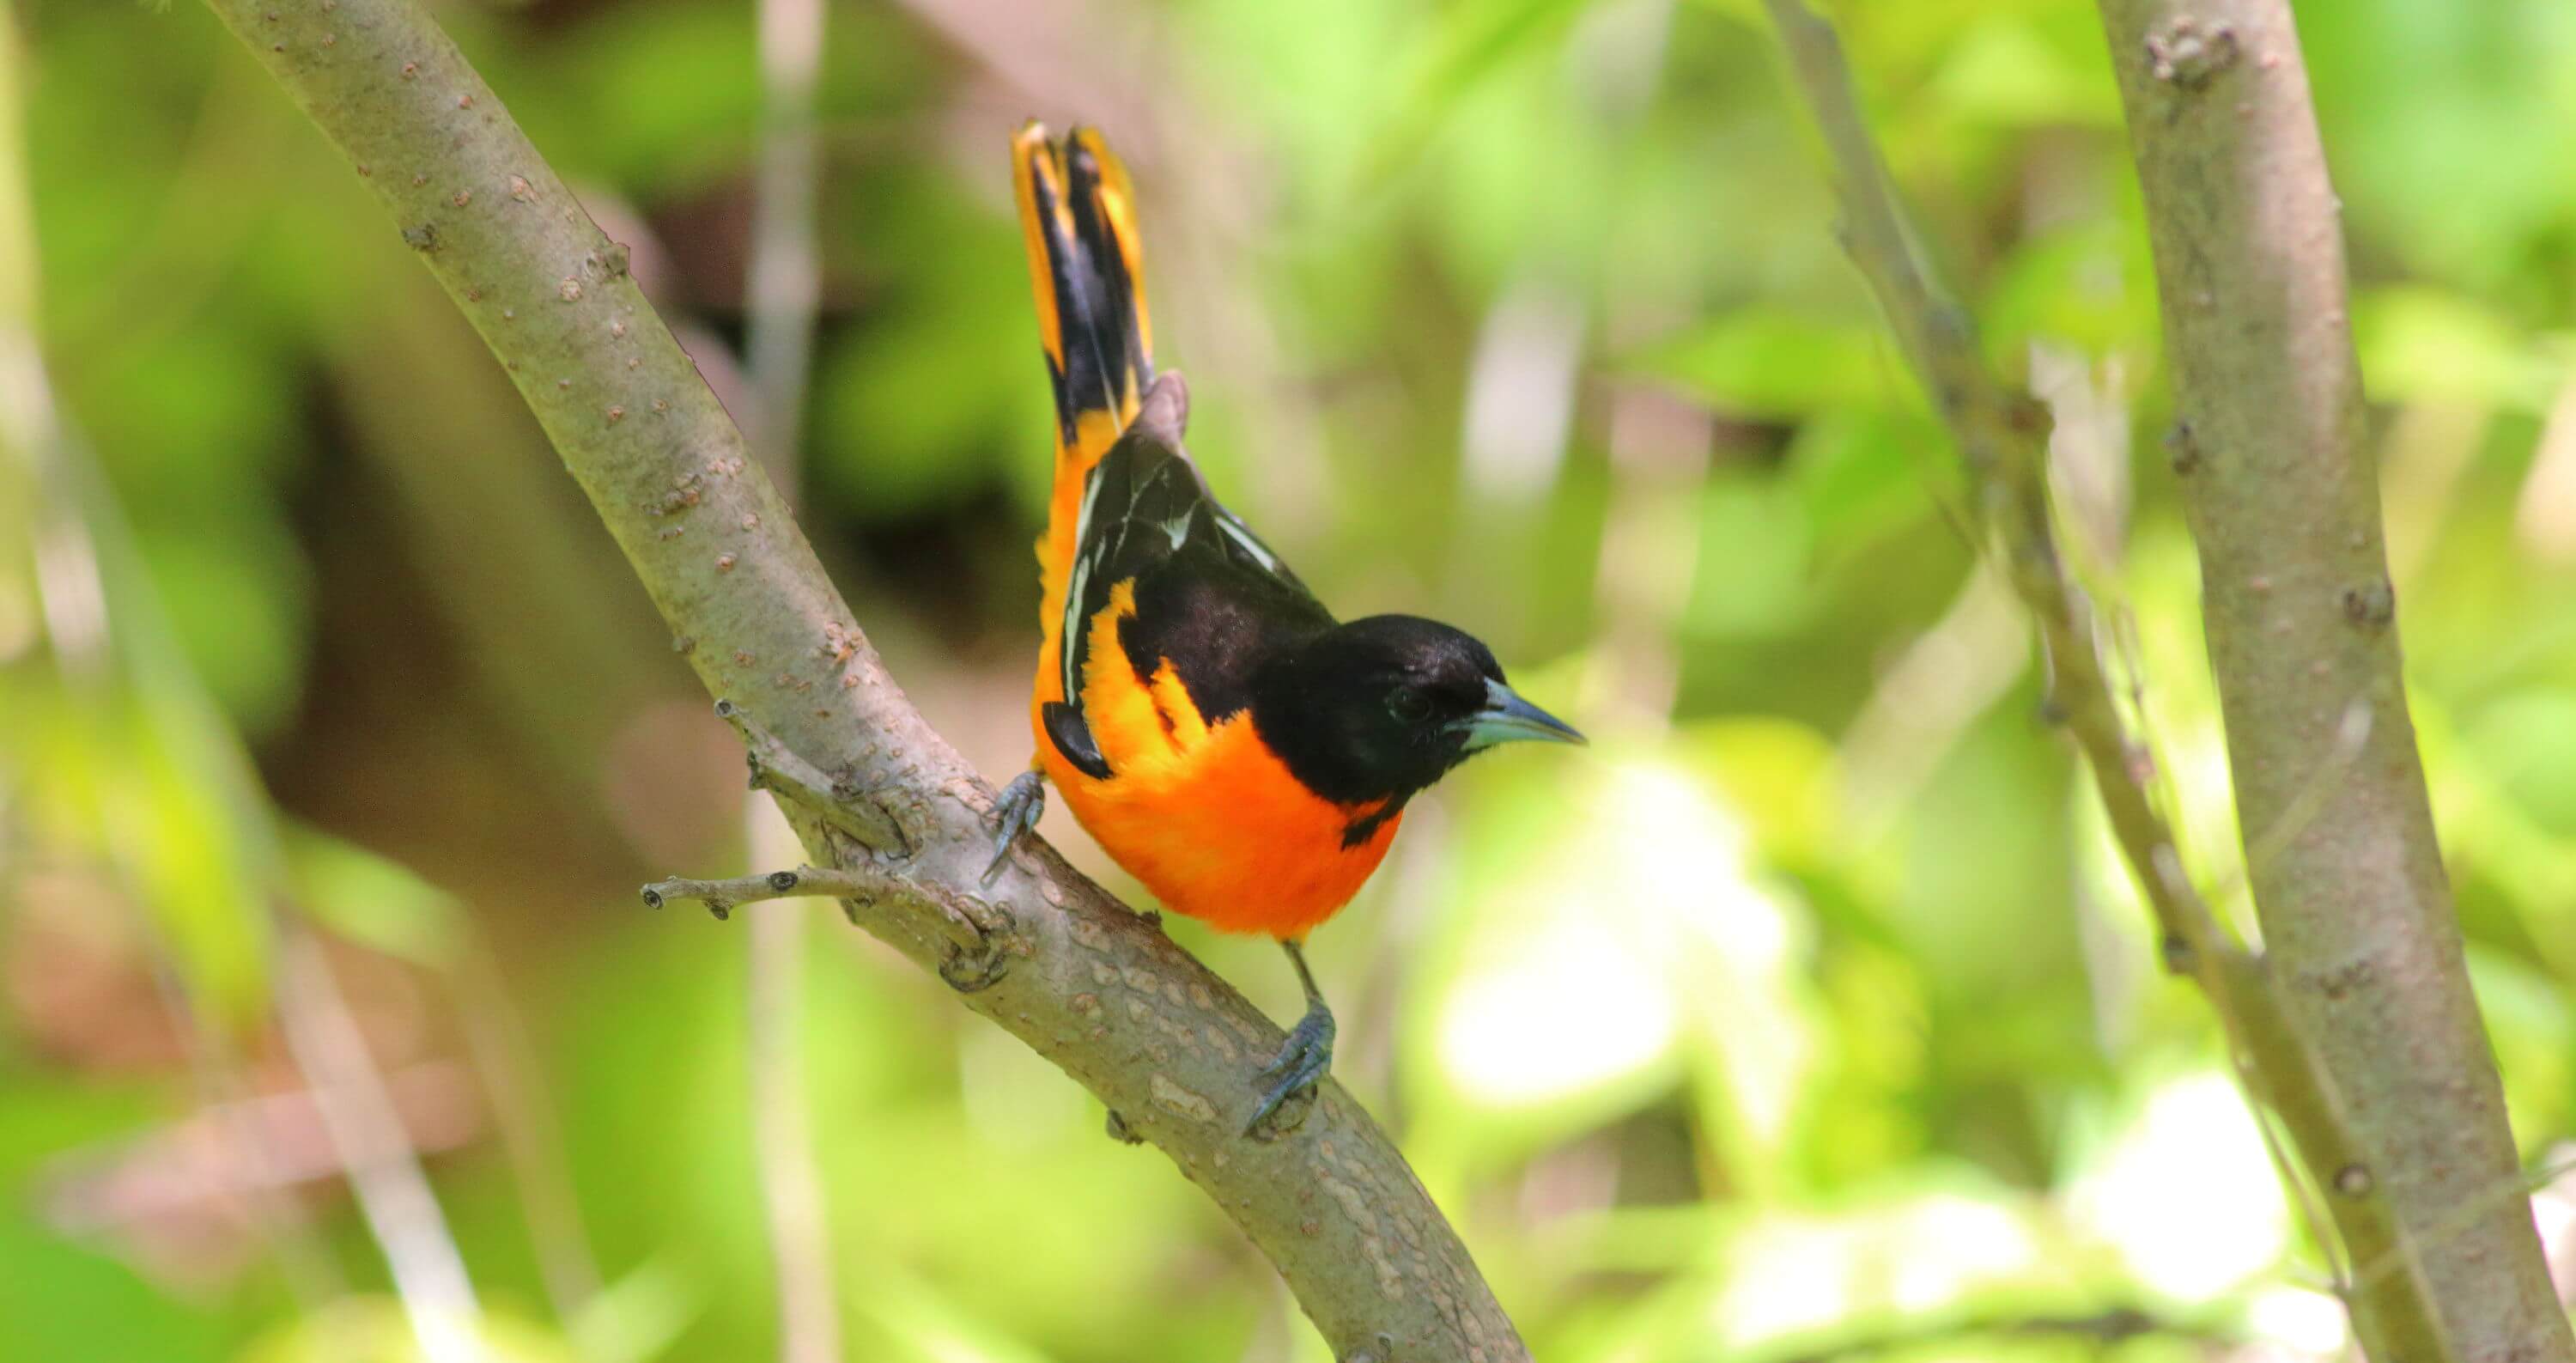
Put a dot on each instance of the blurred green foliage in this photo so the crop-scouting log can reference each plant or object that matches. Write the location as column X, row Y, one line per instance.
column 1807, row 1014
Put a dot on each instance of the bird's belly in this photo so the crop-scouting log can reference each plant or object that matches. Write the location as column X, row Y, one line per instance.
column 1204, row 814
column 1224, row 834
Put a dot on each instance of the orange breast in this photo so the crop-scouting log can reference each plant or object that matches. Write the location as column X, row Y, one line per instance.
column 1203, row 814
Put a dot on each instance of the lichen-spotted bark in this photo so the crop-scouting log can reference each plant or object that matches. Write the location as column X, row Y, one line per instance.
column 1093, row 987
column 2358, row 924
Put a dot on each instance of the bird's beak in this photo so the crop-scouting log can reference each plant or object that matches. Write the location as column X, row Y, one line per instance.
column 1507, row 718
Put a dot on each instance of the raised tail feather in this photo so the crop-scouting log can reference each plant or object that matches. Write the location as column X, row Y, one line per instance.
column 1086, row 265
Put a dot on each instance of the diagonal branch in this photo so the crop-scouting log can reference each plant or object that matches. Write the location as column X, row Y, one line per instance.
column 2305, row 1063
column 2003, row 436
column 1090, row 985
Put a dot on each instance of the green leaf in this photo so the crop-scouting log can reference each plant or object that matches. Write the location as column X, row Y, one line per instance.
column 1755, row 576
column 376, row 1330
column 1469, row 41
column 2004, row 71
column 947, row 391
column 2422, row 344
column 1768, row 362
column 1863, row 474
column 2090, row 284
column 372, row 900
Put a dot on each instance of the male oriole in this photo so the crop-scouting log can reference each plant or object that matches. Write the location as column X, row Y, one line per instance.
column 1234, row 747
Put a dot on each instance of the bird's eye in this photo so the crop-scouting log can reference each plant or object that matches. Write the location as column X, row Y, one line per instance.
column 1409, row 706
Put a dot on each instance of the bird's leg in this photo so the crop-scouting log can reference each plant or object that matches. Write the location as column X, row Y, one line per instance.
column 1016, row 812
column 1300, row 1065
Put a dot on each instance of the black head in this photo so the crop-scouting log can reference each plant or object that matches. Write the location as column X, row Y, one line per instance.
column 1385, row 706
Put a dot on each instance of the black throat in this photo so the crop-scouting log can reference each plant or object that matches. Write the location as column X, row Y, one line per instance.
column 1320, row 703
column 1295, row 699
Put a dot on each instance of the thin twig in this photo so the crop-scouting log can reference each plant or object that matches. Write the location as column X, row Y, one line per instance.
column 778, row 769
column 2002, row 435
column 970, row 919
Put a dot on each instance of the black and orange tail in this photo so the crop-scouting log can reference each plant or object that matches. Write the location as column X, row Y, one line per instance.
column 1086, row 265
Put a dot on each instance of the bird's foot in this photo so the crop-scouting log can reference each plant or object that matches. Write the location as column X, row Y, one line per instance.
column 1298, row 1069
column 1014, row 813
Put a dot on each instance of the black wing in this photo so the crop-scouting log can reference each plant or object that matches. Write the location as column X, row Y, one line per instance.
column 1210, row 596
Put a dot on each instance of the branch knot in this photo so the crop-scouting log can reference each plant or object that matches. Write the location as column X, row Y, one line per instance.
column 2188, row 56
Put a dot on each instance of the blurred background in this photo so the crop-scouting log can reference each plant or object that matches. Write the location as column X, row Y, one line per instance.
column 1806, row 1015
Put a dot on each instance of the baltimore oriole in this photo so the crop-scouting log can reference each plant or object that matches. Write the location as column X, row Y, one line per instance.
column 1240, row 752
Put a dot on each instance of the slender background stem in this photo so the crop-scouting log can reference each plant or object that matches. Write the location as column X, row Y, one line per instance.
column 384, row 1170
column 106, row 625
column 785, row 277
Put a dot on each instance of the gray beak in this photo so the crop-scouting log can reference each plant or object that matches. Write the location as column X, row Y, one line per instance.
column 1507, row 718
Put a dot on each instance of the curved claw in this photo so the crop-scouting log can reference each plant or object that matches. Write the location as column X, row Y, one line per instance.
column 1299, row 1067
column 1014, row 813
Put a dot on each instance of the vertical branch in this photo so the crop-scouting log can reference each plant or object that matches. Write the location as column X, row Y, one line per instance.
column 2360, row 1036
column 784, row 1135
column 786, row 274
column 2284, row 503
column 783, row 288
column 782, row 1119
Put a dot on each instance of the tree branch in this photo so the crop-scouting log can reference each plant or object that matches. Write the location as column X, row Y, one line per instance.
column 2361, row 1114
column 2003, row 436
column 2284, row 503
column 1088, row 984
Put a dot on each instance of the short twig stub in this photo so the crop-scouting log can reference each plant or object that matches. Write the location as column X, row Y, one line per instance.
column 2187, row 55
